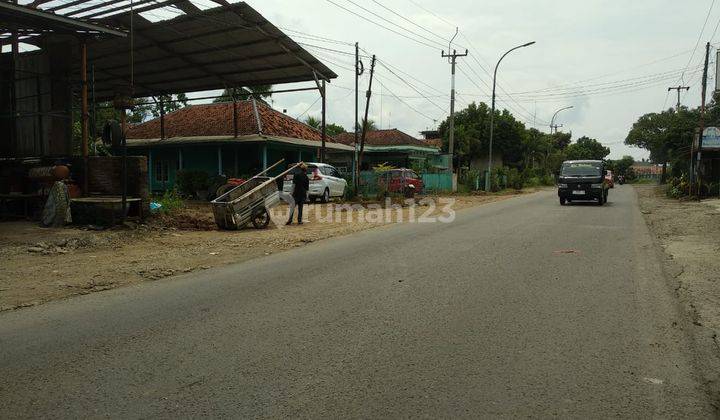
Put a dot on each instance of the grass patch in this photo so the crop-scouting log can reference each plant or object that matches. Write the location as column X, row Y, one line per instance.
column 171, row 202
column 644, row 181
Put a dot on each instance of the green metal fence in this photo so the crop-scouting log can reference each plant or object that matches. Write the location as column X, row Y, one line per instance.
column 434, row 182
column 437, row 182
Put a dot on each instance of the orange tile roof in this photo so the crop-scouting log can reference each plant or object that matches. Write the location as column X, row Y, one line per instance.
column 434, row 142
column 217, row 120
column 389, row 137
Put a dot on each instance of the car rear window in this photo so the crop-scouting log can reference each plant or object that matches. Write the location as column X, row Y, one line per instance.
column 581, row 169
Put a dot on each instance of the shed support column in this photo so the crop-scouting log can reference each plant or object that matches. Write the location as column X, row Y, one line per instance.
column 219, row 160
column 84, row 110
column 150, row 167
column 299, row 155
column 264, row 156
column 180, row 159
column 236, row 166
column 162, row 118
column 235, row 116
column 324, row 131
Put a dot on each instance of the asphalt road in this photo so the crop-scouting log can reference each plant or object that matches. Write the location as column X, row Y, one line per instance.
column 517, row 308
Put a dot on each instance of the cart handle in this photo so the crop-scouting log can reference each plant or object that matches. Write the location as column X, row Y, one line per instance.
column 270, row 167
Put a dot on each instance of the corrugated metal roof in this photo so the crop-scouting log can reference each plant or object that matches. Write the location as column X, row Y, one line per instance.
column 24, row 20
column 227, row 46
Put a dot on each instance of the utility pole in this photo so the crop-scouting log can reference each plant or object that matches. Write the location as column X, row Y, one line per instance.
column 359, row 70
column 367, row 108
column 323, row 127
column 695, row 171
column 678, row 88
column 452, row 59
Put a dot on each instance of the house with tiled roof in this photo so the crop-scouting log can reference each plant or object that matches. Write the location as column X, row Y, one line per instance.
column 234, row 139
column 391, row 146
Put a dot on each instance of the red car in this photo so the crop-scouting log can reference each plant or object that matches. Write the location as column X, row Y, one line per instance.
column 402, row 181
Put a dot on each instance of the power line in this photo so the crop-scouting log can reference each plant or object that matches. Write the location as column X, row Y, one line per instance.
column 308, row 108
column 393, row 23
column 317, row 37
column 407, row 104
column 698, row 39
column 412, row 87
column 408, row 20
column 380, row 25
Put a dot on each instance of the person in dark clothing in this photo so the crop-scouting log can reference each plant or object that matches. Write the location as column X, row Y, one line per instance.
column 301, row 185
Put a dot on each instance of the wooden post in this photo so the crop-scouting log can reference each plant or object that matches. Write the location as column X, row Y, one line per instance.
column 84, row 110
column 235, row 116
column 324, row 131
column 162, row 118
column 264, row 156
column 150, row 169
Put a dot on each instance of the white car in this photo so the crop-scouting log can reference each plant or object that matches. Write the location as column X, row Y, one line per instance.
column 325, row 182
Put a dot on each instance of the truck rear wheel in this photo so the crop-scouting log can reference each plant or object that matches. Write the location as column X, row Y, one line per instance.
column 562, row 201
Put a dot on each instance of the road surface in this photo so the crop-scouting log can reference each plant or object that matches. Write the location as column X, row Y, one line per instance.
column 518, row 308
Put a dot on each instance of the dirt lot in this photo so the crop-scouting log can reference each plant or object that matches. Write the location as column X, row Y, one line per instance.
column 41, row 264
column 689, row 233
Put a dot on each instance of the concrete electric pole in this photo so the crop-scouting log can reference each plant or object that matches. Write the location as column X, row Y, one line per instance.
column 678, row 88
column 452, row 59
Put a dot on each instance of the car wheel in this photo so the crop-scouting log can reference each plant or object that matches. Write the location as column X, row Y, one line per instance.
column 325, row 196
column 562, row 201
column 601, row 200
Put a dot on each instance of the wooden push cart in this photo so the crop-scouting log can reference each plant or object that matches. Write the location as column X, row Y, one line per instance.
column 249, row 202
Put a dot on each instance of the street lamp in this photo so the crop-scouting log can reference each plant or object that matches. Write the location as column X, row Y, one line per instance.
column 492, row 114
column 552, row 121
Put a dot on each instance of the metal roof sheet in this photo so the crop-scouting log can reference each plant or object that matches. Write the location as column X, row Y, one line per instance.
column 26, row 20
column 229, row 46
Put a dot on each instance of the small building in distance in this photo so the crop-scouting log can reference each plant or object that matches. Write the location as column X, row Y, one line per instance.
column 393, row 147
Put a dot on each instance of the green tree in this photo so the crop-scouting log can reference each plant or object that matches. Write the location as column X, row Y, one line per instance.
column 371, row 126
column 586, row 148
column 313, row 122
column 668, row 136
column 244, row 93
column 169, row 103
column 623, row 166
column 472, row 129
column 334, row 129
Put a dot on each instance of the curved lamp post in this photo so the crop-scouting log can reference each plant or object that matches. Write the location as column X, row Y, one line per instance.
column 492, row 113
column 552, row 121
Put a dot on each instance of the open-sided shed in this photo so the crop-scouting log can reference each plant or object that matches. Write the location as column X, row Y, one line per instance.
column 115, row 50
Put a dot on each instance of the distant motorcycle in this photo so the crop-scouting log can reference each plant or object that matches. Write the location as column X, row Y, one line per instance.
column 621, row 179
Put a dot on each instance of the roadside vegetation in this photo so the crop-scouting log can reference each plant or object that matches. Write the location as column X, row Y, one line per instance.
column 530, row 157
column 668, row 136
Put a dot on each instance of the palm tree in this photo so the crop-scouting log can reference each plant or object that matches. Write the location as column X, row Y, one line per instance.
column 371, row 126
column 313, row 122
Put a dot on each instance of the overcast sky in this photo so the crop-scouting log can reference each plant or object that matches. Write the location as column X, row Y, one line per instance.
column 612, row 60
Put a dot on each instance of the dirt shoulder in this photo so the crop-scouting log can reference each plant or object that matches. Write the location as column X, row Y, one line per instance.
column 689, row 233
column 41, row 264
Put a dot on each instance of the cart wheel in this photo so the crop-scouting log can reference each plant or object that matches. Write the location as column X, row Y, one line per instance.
column 223, row 189
column 261, row 220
